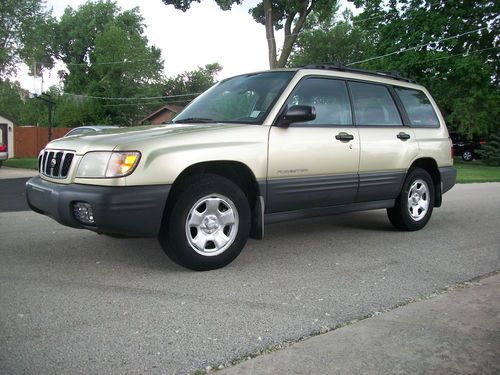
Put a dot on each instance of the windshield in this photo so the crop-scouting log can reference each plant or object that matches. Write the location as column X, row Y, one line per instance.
column 242, row 99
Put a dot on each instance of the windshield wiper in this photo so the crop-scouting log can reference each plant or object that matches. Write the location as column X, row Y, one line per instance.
column 192, row 120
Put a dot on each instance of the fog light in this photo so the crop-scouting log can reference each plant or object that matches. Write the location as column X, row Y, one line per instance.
column 83, row 213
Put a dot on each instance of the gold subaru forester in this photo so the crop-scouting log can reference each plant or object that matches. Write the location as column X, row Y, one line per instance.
column 255, row 149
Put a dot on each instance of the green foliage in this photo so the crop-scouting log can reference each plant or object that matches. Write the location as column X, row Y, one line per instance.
column 26, row 32
column 191, row 82
column 490, row 152
column 16, row 102
column 329, row 41
column 462, row 73
column 107, row 55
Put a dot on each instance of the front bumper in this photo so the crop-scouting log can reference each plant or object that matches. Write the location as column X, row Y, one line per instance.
column 121, row 210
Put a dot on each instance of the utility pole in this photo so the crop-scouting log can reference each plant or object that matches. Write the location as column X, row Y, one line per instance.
column 50, row 103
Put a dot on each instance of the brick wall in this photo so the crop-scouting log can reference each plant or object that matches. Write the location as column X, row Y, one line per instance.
column 30, row 140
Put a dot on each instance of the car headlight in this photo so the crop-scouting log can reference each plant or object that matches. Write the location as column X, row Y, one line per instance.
column 100, row 164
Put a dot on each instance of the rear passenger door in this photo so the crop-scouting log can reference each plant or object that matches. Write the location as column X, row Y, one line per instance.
column 315, row 163
column 387, row 146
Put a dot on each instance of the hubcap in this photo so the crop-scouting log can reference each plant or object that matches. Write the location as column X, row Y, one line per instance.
column 418, row 199
column 212, row 225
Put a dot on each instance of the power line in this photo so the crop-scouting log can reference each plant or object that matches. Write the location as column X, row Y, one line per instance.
column 416, row 47
column 128, row 98
column 147, row 103
column 455, row 55
column 124, row 61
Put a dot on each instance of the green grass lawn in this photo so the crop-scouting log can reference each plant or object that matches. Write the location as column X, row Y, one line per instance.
column 473, row 171
column 28, row 163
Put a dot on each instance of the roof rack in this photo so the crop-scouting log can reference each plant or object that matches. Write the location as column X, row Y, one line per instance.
column 343, row 68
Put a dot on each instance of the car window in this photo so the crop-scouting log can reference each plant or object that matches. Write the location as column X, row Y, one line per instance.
column 242, row 99
column 418, row 107
column 373, row 105
column 328, row 96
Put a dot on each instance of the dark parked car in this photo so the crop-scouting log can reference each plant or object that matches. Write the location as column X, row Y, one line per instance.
column 466, row 148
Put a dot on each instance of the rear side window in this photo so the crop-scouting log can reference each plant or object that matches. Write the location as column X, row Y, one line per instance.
column 373, row 105
column 328, row 96
column 418, row 107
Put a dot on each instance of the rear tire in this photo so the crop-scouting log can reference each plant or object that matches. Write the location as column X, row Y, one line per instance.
column 415, row 203
column 208, row 225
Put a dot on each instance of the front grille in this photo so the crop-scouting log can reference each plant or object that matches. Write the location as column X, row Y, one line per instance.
column 55, row 164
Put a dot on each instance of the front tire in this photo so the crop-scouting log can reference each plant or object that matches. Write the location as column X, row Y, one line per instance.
column 208, row 225
column 415, row 203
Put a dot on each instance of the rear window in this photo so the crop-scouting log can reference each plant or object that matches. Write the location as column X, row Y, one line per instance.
column 418, row 107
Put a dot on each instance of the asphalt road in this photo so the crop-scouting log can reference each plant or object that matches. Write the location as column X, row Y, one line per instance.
column 12, row 196
column 72, row 301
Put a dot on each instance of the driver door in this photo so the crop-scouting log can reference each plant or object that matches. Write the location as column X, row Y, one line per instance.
column 315, row 163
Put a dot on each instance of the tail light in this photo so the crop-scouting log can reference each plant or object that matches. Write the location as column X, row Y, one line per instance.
column 3, row 148
column 482, row 141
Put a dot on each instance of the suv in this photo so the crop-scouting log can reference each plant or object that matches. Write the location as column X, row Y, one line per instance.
column 466, row 148
column 255, row 149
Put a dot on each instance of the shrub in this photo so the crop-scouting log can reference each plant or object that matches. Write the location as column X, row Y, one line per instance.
column 490, row 152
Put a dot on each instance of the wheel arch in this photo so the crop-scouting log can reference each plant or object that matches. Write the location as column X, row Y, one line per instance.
column 430, row 165
column 237, row 172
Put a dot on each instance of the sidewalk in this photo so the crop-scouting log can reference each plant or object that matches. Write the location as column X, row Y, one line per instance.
column 7, row 173
column 457, row 332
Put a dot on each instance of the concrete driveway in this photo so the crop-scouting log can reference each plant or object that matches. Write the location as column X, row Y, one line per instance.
column 72, row 301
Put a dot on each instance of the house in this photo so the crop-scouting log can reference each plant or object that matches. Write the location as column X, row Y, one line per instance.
column 7, row 132
column 162, row 115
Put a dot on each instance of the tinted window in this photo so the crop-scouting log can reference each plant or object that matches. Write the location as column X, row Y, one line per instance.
column 373, row 105
column 418, row 107
column 328, row 96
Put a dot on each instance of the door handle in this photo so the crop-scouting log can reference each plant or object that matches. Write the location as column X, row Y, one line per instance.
column 344, row 137
column 403, row 136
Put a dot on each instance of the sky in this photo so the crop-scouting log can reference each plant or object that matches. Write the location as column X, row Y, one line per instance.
column 202, row 35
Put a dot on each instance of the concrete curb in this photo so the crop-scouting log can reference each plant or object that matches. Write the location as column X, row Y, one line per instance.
column 7, row 173
column 457, row 332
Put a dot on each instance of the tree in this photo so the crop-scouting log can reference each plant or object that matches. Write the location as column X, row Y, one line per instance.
column 330, row 41
column 191, row 83
column 490, row 153
column 108, row 56
column 276, row 15
column 25, row 35
column 451, row 47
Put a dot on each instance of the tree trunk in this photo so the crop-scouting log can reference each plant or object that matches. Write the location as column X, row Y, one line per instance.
column 291, row 36
column 271, row 42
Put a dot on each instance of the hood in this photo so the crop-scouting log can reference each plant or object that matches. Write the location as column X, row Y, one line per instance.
column 132, row 138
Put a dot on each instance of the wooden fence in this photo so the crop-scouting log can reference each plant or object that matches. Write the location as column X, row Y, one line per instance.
column 30, row 140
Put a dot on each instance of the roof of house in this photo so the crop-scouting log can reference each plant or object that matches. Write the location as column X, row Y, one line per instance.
column 166, row 107
column 8, row 117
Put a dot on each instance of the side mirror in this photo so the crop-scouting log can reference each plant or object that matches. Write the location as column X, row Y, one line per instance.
column 297, row 113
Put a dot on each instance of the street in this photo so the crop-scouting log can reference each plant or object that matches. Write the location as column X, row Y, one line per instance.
column 72, row 301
